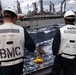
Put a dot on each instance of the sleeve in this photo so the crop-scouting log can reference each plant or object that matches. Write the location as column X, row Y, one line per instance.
column 29, row 43
column 56, row 43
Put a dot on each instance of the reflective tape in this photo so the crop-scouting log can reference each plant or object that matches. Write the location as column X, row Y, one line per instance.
column 9, row 31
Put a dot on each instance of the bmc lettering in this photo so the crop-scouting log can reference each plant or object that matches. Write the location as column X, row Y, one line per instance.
column 6, row 53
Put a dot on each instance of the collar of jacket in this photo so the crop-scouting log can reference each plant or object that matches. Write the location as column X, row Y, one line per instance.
column 70, row 24
column 8, row 23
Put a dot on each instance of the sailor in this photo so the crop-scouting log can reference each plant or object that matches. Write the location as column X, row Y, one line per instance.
column 13, row 41
column 64, row 47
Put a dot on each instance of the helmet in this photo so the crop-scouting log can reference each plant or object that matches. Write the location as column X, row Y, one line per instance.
column 69, row 13
column 12, row 9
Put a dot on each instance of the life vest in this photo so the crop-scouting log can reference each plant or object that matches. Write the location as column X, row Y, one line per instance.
column 68, row 41
column 11, row 44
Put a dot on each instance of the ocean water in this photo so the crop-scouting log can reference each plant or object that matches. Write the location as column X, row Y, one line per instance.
column 43, row 38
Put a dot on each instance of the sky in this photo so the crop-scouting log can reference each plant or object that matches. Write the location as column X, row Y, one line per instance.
column 26, row 5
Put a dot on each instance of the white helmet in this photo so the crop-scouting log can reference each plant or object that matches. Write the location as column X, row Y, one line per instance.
column 69, row 13
column 12, row 9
